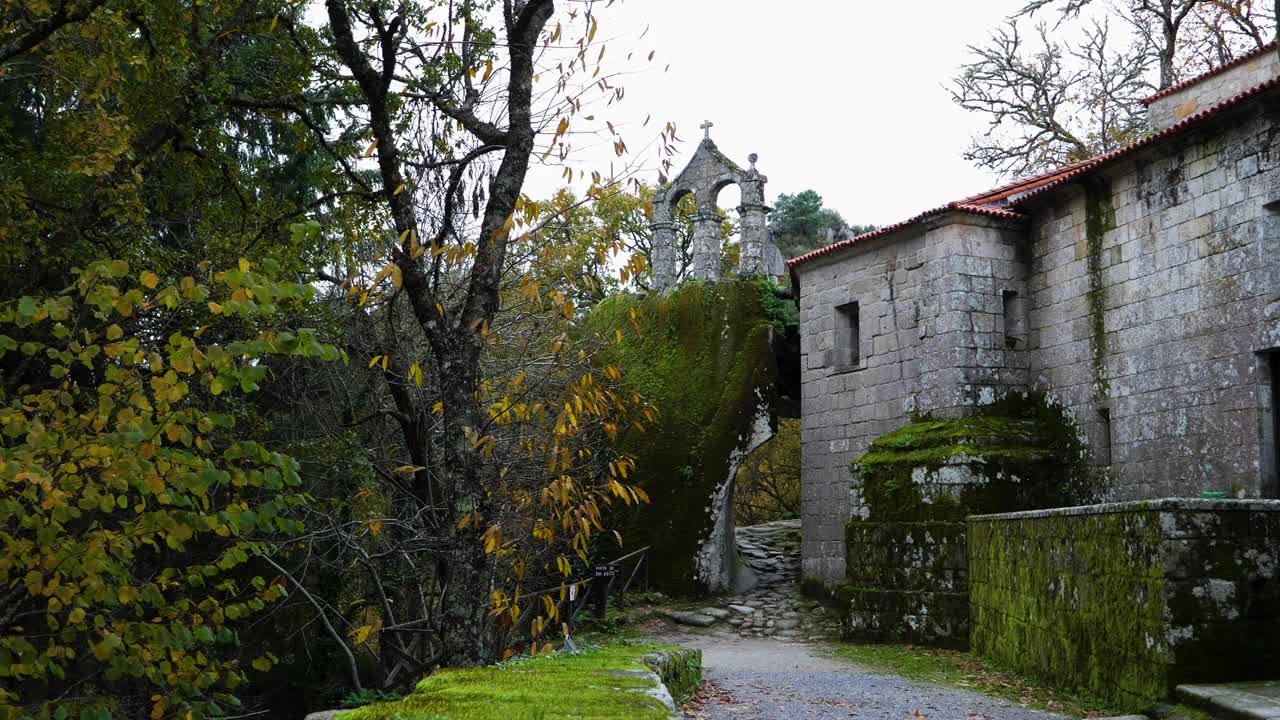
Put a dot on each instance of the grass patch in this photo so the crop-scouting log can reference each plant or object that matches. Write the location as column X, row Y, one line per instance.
column 965, row 671
column 597, row 683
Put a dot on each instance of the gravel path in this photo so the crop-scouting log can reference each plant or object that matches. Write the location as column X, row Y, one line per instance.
column 762, row 654
column 767, row 679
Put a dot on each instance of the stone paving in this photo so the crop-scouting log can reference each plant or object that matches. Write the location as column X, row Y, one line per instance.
column 770, row 606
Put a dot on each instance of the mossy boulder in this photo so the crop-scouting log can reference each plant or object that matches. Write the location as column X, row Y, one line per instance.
column 907, row 561
column 1021, row 453
column 704, row 356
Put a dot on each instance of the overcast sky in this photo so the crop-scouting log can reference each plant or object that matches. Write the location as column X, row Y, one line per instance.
column 846, row 97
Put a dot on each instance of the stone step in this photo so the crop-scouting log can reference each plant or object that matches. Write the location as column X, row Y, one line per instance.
column 695, row 619
column 1235, row 701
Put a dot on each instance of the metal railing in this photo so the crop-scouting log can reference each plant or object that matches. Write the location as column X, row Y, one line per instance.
column 598, row 588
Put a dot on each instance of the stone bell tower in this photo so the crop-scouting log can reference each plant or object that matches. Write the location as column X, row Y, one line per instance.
column 707, row 173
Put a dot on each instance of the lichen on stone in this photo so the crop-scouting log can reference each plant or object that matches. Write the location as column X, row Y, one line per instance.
column 1100, row 218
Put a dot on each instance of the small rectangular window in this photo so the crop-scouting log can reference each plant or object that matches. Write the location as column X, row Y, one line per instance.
column 1014, row 314
column 848, row 335
column 1103, row 454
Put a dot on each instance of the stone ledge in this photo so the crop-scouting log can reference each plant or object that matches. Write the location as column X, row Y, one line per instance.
column 1231, row 701
column 679, row 671
column 1163, row 504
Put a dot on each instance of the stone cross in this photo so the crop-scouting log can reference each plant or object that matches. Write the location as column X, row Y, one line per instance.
column 706, row 129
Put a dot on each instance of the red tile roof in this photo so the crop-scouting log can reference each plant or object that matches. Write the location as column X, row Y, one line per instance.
column 999, row 201
column 1269, row 47
column 959, row 206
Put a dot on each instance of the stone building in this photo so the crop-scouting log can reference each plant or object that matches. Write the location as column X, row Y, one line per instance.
column 1139, row 289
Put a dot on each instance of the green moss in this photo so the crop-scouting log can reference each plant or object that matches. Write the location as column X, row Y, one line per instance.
column 1025, row 452
column 704, row 356
column 1075, row 598
column 680, row 670
column 1100, row 217
column 607, row 682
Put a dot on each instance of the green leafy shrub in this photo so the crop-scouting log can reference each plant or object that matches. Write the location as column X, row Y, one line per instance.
column 129, row 510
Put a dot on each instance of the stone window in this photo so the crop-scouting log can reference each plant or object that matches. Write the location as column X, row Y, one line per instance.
column 1269, row 425
column 848, row 335
column 1014, row 314
column 1102, row 456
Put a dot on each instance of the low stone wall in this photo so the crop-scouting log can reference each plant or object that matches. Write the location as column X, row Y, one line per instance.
column 907, row 582
column 906, row 565
column 1126, row 600
column 679, row 669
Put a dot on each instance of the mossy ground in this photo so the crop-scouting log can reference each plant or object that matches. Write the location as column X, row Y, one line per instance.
column 593, row 684
column 963, row 670
column 969, row 672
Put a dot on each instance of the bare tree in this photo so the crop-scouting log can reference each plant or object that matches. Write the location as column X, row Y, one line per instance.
column 1050, row 102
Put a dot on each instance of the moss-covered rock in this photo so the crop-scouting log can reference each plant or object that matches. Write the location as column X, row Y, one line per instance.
column 618, row 681
column 1021, row 453
column 907, row 561
column 704, row 356
column 679, row 668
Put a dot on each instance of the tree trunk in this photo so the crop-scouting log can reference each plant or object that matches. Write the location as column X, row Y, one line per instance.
column 467, row 575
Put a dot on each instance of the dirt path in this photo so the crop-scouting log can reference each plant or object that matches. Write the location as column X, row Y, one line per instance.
column 770, row 679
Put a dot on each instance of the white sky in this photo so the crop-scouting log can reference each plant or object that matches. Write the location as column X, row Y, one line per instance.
column 845, row 97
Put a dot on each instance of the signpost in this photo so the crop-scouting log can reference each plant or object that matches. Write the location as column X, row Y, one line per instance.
column 603, row 575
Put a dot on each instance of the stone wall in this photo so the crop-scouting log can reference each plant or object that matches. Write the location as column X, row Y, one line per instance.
column 1141, row 296
column 931, row 340
column 1124, row 601
column 1183, row 102
column 844, row 408
column 1152, row 294
column 907, row 582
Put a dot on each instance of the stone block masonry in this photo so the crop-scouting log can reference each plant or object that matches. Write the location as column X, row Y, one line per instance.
column 907, row 582
column 1140, row 297
column 1126, row 600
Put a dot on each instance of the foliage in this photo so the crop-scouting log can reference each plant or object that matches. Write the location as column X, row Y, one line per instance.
column 1050, row 101
column 800, row 223
column 130, row 511
column 703, row 357
column 368, row 696
column 603, row 244
column 608, row 681
column 768, row 482
column 378, row 153
column 123, row 135
column 504, row 458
